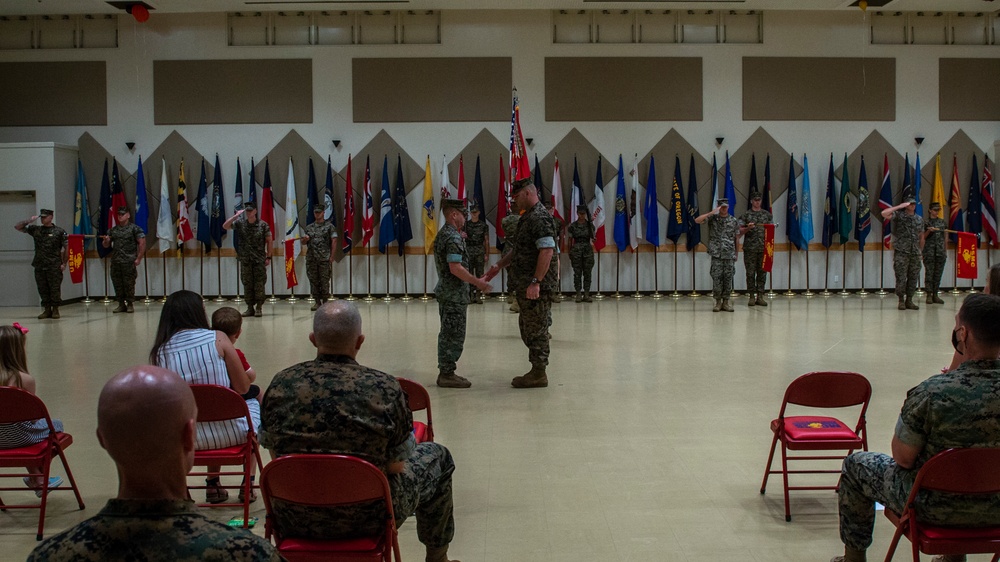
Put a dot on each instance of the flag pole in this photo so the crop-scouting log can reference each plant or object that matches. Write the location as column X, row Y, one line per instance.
column 425, row 297
column 676, row 294
column 656, row 277
column 954, row 284
column 292, row 298
column 272, row 299
column 597, row 294
column 789, row 292
column 694, row 286
column 145, row 278
column 180, row 254
column 107, row 294
column 201, row 274
column 388, row 296
column 406, row 293
column 618, row 271
column 881, row 270
column 826, row 275
column 350, row 277
column 637, row 294
column 86, row 280
column 163, row 259
column 808, row 292
column 238, row 299
column 863, row 292
column 843, row 274
column 369, row 298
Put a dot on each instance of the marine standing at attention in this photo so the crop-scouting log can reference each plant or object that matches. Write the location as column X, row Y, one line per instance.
column 753, row 249
column 934, row 254
column 581, row 254
column 907, row 230
column 321, row 236
column 128, row 243
column 722, row 233
column 254, row 254
column 50, row 259
column 477, row 247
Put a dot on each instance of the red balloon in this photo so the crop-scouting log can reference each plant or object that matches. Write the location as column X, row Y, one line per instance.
column 140, row 13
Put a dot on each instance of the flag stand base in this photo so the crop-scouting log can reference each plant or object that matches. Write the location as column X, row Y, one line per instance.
column 637, row 295
column 292, row 299
column 920, row 292
column 882, row 292
column 656, row 295
column 863, row 293
column 387, row 297
column 954, row 291
column 406, row 298
column 350, row 298
column 618, row 295
column 425, row 297
column 809, row 293
column 844, row 293
column 87, row 300
column 271, row 299
column 826, row 293
column 108, row 300
column 310, row 299
column 789, row 293
column 369, row 298
column 694, row 294
column 771, row 294
column 675, row 295
column 598, row 296
column 219, row 298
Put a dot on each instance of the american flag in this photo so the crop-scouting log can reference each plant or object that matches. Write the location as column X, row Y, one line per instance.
column 989, row 207
column 519, row 168
column 368, row 213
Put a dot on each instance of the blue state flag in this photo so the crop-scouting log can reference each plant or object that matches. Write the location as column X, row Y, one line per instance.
column 830, row 211
column 218, row 206
column 651, row 208
column 917, row 184
column 693, row 228
column 805, row 209
column 81, row 209
column 621, row 210
column 974, row 206
column 141, row 200
column 204, row 233
column 730, row 188
column 312, row 195
column 677, row 220
column 477, row 192
column 400, row 212
column 792, row 209
column 104, row 215
column 386, row 229
column 863, row 216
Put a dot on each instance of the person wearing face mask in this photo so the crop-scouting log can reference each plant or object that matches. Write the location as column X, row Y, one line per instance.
column 992, row 288
column 956, row 409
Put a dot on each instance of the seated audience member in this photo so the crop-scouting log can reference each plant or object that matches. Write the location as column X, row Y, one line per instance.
column 334, row 405
column 146, row 422
column 956, row 409
column 229, row 321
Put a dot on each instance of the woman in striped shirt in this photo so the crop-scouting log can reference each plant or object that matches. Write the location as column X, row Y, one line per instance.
column 186, row 345
column 14, row 372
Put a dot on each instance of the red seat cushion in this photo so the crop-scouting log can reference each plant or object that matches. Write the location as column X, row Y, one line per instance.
column 964, row 534
column 364, row 544
column 812, row 428
column 228, row 452
column 420, row 431
column 64, row 440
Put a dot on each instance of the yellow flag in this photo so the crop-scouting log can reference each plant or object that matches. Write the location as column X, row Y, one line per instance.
column 937, row 194
column 430, row 225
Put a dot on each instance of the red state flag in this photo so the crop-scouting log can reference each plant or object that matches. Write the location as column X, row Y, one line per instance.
column 76, row 261
column 968, row 267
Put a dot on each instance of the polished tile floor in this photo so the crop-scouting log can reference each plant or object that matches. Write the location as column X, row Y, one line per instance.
column 649, row 444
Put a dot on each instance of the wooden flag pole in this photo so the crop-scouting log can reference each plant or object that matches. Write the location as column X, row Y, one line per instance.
column 107, row 293
column 163, row 258
column 618, row 272
column 272, row 299
column 676, row 294
column 637, row 294
column 406, row 293
column 808, row 292
column 826, row 275
column 597, row 294
column 863, row 292
column 656, row 276
column 881, row 271
column 843, row 274
column 369, row 297
column 790, row 292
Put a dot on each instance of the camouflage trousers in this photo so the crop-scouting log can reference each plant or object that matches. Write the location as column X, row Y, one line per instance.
column 534, row 321
column 254, row 279
column 583, row 266
column 451, row 337
column 722, row 277
column 319, row 273
column 123, row 276
column 867, row 478
column 477, row 266
column 753, row 260
column 49, row 282
column 907, row 270
column 933, row 268
column 423, row 488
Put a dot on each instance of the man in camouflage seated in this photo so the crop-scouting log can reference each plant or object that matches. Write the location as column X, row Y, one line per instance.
column 956, row 409
column 146, row 422
column 334, row 405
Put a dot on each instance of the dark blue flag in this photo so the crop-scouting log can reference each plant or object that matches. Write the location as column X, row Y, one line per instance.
column 765, row 199
column 104, row 212
column 863, row 220
column 792, row 209
column 204, row 233
column 252, row 188
column 329, row 215
column 141, row 200
column 830, row 211
column 477, row 193
column 754, row 188
column 386, row 219
column 650, row 210
column 677, row 219
column 621, row 210
column 974, row 208
column 693, row 228
column 238, row 198
column 218, row 206
column 312, row 195
column 730, row 188
column 538, row 180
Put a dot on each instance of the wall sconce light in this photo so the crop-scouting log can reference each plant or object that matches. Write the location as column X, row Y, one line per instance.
column 336, row 143
column 131, row 146
column 718, row 140
column 919, row 141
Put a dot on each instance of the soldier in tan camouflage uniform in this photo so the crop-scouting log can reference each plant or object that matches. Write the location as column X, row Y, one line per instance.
column 50, row 260
column 907, row 231
column 750, row 224
column 581, row 253
column 321, row 237
column 723, row 230
column 146, row 422
column 334, row 405
column 477, row 247
column 452, row 292
column 934, row 254
column 129, row 246
column 960, row 408
column 254, row 254
column 533, row 280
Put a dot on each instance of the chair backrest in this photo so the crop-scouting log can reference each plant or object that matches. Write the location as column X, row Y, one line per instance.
column 217, row 403
column 960, row 471
column 829, row 389
column 345, row 480
column 19, row 405
column 416, row 395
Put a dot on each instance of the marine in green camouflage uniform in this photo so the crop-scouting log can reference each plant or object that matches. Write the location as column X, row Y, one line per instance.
column 533, row 249
column 153, row 530
column 907, row 228
column 581, row 254
column 957, row 409
column 509, row 224
column 753, row 249
column 254, row 253
column 128, row 243
column 477, row 234
column 334, row 405
column 50, row 260
column 452, row 293
column 722, row 231
column 320, row 236
column 934, row 254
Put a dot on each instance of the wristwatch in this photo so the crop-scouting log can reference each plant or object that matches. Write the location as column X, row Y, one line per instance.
column 534, row 281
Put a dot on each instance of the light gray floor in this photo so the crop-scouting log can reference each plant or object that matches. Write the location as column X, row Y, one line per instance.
column 649, row 444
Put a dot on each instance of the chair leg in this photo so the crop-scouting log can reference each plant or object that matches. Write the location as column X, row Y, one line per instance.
column 72, row 481
column 247, row 488
column 893, row 544
column 996, row 557
column 784, row 474
column 767, row 468
column 45, row 499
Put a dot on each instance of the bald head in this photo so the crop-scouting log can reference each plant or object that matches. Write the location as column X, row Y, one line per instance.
column 145, row 418
column 337, row 328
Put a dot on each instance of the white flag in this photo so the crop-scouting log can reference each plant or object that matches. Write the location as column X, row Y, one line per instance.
column 635, row 207
column 164, row 220
column 557, row 194
column 292, row 211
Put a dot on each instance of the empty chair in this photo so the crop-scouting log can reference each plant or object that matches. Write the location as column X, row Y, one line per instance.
column 828, row 389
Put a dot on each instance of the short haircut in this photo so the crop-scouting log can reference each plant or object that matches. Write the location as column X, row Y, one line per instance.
column 336, row 324
column 227, row 320
column 993, row 279
column 981, row 314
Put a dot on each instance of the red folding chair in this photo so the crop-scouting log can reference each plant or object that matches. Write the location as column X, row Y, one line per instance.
column 828, row 389
column 218, row 403
column 16, row 406
column 418, row 399
column 955, row 471
column 343, row 480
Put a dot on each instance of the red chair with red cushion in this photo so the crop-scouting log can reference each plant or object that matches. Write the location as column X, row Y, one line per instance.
column 955, row 471
column 418, row 399
column 17, row 405
column 828, row 389
column 218, row 403
column 328, row 481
